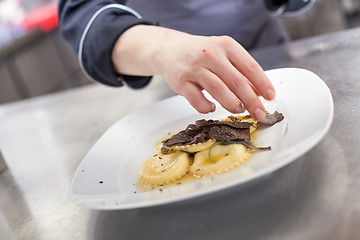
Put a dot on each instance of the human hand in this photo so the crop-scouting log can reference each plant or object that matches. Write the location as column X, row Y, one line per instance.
column 190, row 64
column 219, row 65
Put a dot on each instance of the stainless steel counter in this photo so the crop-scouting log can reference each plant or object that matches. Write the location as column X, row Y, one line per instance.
column 316, row 197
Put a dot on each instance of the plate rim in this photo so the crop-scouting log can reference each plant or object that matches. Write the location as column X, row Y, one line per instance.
column 93, row 202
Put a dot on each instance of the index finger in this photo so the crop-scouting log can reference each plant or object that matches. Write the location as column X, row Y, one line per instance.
column 253, row 72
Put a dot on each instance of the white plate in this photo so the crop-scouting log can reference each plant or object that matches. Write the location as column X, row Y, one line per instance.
column 105, row 178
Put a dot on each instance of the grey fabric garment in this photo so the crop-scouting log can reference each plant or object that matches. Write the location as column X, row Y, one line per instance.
column 247, row 21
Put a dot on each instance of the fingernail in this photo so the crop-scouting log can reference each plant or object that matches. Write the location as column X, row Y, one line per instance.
column 270, row 94
column 213, row 107
column 239, row 109
column 259, row 114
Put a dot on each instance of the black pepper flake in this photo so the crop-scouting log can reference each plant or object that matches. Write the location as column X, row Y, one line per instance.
column 160, row 157
column 179, row 183
column 197, row 169
column 82, row 170
column 161, row 190
column 134, row 191
column 101, row 181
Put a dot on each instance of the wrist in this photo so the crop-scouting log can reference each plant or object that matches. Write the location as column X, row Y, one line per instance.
column 141, row 50
column 132, row 52
column 166, row 48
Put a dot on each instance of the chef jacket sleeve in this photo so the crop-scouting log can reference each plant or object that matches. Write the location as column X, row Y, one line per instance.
column 92, row 28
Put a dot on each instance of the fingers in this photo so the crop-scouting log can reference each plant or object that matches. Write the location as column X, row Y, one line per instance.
column 220, row 91
column 192, row 93
column 242, row 76
column 216, row 88
column 229, row 87
column 253, row 88
column 220, row 66
column 252, row 71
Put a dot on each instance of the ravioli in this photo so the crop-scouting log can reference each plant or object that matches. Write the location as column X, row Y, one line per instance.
column 161, row 169
column 204, row 149
column 218, row 160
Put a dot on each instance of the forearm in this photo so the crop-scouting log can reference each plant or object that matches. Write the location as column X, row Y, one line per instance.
column 141, row 49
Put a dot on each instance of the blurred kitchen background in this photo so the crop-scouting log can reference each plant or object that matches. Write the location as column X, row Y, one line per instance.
column 35, row 60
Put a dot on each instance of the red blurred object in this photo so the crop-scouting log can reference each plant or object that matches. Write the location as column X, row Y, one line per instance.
column 44, row 16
